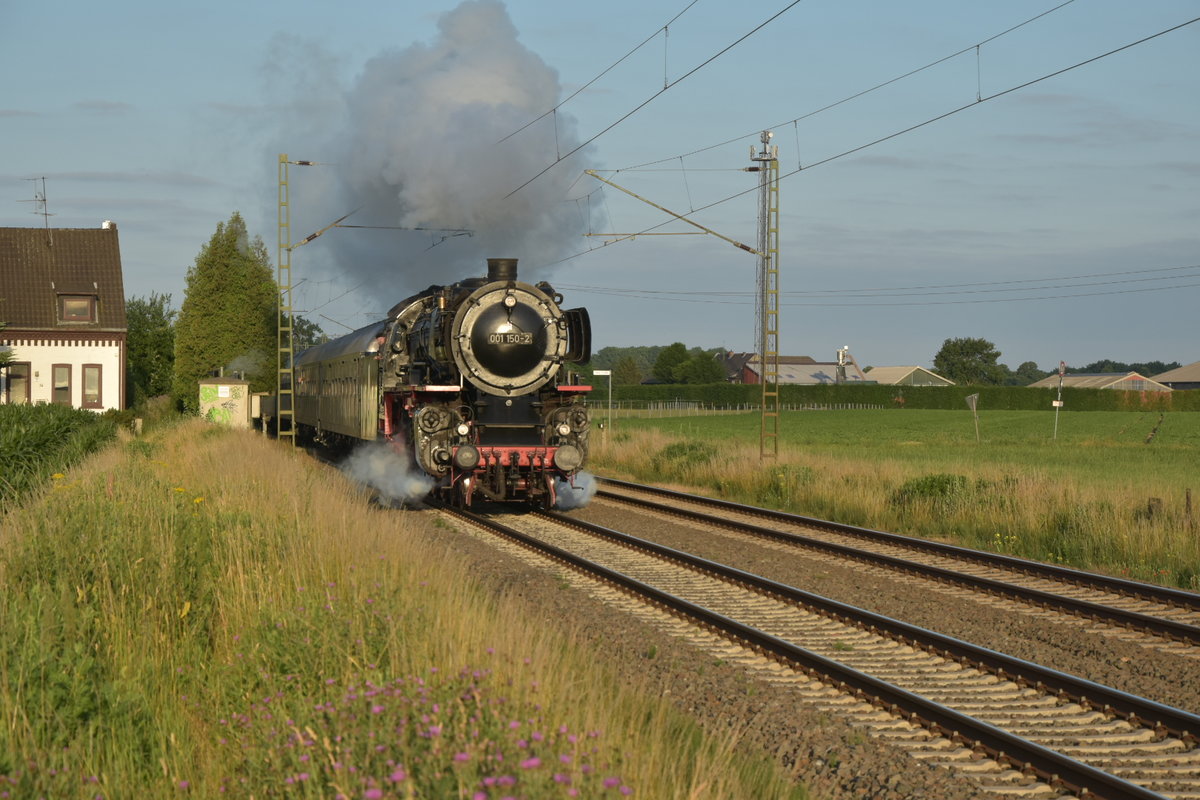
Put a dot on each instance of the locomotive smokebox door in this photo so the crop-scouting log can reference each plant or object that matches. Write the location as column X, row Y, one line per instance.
column 509, row 339
column 506, row 338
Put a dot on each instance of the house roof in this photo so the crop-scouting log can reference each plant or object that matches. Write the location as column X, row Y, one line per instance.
column 812, row 372
column 1188, row 373
column 1097, row 380
column 896, row 375
column 37, row 265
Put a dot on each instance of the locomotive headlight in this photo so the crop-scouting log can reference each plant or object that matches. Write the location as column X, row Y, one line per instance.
column 563, row 429
column 568, row 458
column 463, row 429
column 509, row 301
column 466, row 457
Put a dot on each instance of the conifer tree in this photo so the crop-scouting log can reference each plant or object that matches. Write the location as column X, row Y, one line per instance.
column 228, row 316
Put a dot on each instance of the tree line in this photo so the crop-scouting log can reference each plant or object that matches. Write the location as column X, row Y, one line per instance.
column 968, row 361
column 227, row 323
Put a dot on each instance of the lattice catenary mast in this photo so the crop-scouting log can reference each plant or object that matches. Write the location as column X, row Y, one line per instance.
column 767, row 309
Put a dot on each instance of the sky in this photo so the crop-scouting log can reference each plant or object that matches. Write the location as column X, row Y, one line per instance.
column 949, row 169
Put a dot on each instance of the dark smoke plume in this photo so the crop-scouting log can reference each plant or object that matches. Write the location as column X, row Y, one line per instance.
column 419, row 142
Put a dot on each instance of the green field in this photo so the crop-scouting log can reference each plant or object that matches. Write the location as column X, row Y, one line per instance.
column 1093, row 445
column 1116, row 491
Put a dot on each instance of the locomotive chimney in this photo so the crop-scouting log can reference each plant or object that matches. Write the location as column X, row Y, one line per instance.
column 502, row 269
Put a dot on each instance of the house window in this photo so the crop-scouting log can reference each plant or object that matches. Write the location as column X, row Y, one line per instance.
column 61, row 392
column 76, row 308
column 16, row 389
column 91, row 386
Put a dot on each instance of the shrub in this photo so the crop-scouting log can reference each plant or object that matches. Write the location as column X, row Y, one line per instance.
column 940, row 489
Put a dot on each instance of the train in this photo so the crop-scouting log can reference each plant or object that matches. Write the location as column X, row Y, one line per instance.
column 470, row 384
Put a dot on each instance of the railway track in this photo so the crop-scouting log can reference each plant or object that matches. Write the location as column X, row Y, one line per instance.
column 1168, row 614
column 1019, row 729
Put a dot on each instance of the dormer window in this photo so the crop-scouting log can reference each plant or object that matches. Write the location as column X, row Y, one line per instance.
column 76, row 308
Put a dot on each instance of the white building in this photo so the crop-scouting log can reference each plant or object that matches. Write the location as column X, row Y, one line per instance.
column 63, row 301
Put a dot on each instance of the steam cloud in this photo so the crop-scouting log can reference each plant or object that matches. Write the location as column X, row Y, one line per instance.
column 378, row 466
column 568, row 496
column 418, row 144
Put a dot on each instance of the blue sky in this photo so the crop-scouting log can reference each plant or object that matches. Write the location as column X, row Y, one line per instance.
column 1061, row 221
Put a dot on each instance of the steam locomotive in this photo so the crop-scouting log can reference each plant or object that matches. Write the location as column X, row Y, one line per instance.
column 467, row 382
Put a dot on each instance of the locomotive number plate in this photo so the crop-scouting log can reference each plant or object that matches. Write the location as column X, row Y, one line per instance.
column 510, row 338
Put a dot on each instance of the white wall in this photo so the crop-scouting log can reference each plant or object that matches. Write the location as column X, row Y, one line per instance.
column 42, row 355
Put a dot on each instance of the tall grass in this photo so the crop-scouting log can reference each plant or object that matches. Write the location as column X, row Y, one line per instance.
column 1100, row 497
column 207, row 613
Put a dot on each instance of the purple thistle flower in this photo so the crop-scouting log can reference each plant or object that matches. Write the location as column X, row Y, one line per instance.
column 372, row 794
column 531, row 763
column 560, row 777
column 626, row 790
column 462, row 757
column 611, row 783
column 398, row 776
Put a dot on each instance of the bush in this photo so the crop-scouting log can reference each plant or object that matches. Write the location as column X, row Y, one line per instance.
column 940, row 489
column 36, row 441
column 954, row 398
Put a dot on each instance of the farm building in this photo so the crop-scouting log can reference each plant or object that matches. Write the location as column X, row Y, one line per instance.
column 906, row 376
column 746, row 368
column 63, row 300
column 1126, row 382
column 1185, row 377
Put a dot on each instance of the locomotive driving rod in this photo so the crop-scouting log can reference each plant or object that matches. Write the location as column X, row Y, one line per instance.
column 733, row 242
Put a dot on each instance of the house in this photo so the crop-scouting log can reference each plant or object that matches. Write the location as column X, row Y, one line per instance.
column 1185, row 377
column 63, row 300
column 1121, row 381
column 746, row 368
column 906, row 376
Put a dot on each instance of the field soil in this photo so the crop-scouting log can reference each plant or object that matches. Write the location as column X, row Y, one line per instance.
column 835, row 760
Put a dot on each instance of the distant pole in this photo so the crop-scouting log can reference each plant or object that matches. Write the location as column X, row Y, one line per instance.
column 608, row 373
column 973, row 403
column 1062, row 369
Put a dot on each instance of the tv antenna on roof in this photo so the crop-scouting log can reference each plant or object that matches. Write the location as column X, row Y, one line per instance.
column 42, row 208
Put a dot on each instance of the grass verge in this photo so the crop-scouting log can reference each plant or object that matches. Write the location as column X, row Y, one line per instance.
column 201, row 612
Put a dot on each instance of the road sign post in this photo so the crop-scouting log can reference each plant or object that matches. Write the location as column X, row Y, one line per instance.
column 1062, row 370
column 607, row 373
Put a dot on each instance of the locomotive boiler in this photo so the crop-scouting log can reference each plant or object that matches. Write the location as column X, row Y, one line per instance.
column 469, row 382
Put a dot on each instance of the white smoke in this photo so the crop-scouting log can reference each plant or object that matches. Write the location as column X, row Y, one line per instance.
column 576, row 494
column 379, row 466
column 420, row 142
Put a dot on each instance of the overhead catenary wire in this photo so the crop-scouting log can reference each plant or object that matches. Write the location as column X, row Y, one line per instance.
column 796, row 120
column 602, row 73
column 892, row 290
column 826, row 303
column 654, row 96
column 890, row 136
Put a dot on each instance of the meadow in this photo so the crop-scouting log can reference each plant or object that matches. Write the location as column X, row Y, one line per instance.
column 1115, row 491
column 203, row 612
